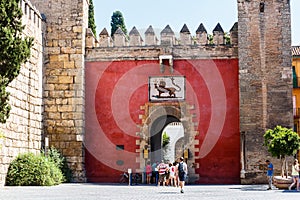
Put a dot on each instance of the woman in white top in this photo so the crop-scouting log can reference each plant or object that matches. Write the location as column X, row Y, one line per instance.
column 295, row 175
column 172, row 174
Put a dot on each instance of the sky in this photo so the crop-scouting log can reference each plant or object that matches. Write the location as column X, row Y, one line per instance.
column 160, row 13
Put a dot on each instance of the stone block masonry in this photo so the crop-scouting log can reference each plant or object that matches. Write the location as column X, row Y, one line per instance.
column 64, row 78
column 265, row 77
column 24, row 129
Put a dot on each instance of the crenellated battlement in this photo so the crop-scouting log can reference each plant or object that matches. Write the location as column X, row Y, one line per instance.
column 167, row 37
column 31, row 16
column 134, row 46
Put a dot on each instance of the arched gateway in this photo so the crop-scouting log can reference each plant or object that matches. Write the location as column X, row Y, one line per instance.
column 121, row 93
column 130, row 105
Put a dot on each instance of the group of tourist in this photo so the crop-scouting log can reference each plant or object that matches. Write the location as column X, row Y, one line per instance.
column 167, row 174
column 295, row 174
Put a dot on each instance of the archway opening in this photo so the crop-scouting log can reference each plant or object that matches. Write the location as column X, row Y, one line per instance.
column 173, row 134
column 173, row 128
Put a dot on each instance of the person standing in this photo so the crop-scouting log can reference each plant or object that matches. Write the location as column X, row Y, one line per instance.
column 182, row 173
column 295, row 175
column 176, row 179
column 172, row 174
column 162, row 168
column 155, row 172
column 148, row 172
column 270, row 170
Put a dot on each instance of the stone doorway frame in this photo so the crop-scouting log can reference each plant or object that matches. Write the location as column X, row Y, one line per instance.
column 156, row 129
column 179, row 110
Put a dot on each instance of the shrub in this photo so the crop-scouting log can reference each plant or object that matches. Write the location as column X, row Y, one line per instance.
column 61, row 163
column 33, row 170
column 166, row 139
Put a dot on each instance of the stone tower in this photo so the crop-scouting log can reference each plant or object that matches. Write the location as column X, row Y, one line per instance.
column 66, row 23
column 265, row 77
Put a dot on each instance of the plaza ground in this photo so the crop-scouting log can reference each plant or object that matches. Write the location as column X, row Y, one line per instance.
column 144, row 192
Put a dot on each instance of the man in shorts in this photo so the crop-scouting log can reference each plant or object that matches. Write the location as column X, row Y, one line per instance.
column 162, row 167
column 182, row 172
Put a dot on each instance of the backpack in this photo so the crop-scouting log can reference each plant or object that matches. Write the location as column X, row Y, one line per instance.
column 180, row 168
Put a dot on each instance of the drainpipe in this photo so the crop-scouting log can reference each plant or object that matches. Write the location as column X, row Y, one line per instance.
column 243, row 172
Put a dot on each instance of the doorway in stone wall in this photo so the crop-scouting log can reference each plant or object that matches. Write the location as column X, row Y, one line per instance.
column 171, row 135
column 172, row 128
column 176, row 120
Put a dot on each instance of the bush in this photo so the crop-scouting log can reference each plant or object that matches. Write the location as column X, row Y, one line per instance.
column 33, row 170
column 166, row 139
column 61, row 163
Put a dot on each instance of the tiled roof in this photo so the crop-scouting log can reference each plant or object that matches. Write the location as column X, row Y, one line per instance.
column 167, row 30
column 119, row 31
column 218, row 28
column 185, row 29
column 295, row 50
column 201, row 29
column 134, row 31
column 104, row 32
column 150, row 31
column 235, row 27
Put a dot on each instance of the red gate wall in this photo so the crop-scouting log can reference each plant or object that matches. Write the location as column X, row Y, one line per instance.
column 115, row 92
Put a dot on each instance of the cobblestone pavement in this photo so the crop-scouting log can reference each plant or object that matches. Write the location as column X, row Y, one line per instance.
column 144, row 192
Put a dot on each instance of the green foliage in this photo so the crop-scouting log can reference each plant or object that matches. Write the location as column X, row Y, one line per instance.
column 91, row 19
column 4, row 105
column 1, row 137
column 210, row 38
column 61, row 163
column 166, row 139
column 33, row 170
column 227, row 38
column 117, row 21
column 281, row 141
column 14, row 49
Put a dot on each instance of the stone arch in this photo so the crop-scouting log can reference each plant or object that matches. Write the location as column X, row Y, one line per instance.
column 156, row 131
column 157, row 117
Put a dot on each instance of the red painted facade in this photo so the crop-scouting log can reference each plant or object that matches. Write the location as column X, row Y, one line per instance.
column 115, row 92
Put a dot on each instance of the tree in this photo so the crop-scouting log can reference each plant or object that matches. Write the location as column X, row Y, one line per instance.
column 166, row 139
column 210, row 38
column 92, row 24
column 14, row 49
column 4, row 105
column 227, row 38
column 117, row 21
column 282, row 142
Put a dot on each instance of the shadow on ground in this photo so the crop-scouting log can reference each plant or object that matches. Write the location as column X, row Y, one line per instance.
column 251, row 188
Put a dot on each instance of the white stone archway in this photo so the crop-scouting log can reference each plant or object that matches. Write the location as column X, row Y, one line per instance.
column 175, row 131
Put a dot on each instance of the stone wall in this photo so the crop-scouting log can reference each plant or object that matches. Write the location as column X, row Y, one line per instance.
column 23, row 130
column 64, row 78
column 167, row 37
column 265, row 76
column 108, row 49
column 265, row 79
column 168, row 51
